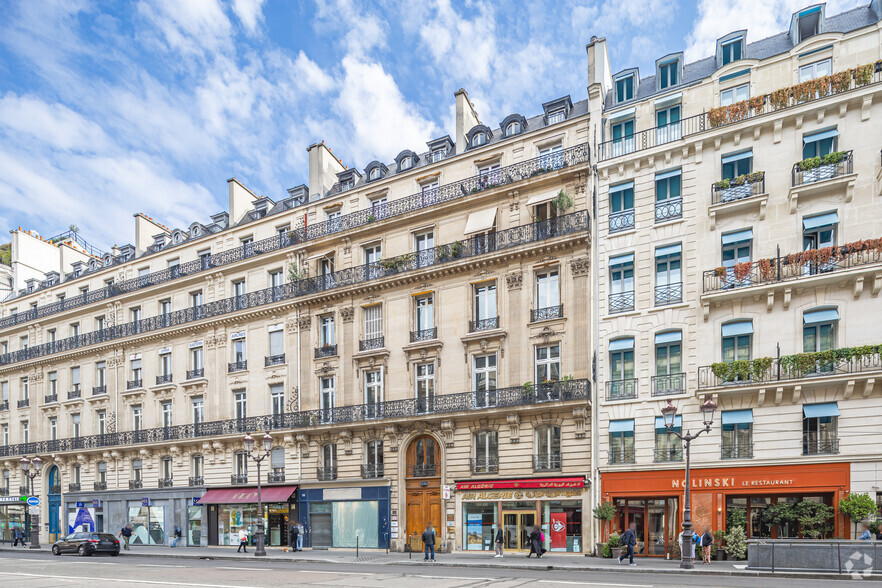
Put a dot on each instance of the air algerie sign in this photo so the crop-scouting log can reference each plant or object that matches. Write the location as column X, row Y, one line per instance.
column 700, row 482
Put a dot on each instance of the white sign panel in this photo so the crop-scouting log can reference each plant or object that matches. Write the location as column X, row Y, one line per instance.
column 135, row 356
column 195, row 344
column 240, row 335
column 445, row 492
column 164, row 350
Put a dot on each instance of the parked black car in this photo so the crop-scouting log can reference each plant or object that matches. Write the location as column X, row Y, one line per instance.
column 87, row 544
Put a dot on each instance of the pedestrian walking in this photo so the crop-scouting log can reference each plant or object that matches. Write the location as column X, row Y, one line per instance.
column 243, row 541
column 707, row 539
column 866, row 535
column 177, row 536
column 628, row 541
column 295, row 536
column 429, row 543
column 695, row 541
column 303, row 531
column 126, row 534
column 19, row 536
column 535, row 543
column 499, row 540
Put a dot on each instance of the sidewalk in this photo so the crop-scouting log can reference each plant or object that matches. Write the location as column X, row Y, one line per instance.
column 551, row 561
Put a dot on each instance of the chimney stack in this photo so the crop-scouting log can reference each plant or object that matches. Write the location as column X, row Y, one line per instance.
column 323, row 169
column 466, row 118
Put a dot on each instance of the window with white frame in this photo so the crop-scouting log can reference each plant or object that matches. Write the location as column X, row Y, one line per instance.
column 241, row 464
column 53, row 383
column 484, row 375
column 53, row 429
column 624, row 88
column 547, row 448
column 277, row 342
column 196, row 466
column 136, row 470
column 101, row 374
column 197, row 409
column 101, row 421
column 424, row 384
column 547, row 288
column 373, row 322
column 166, row 410
column 547, row 364
column 137, row 416
column 485, row 302
column 277, row 399
column 732, row 50
column 424, row 313
column 813, row 71
column 486, row 452
column 327, row 397
column 374, row 458
column 166, row 469
column 240, row 404
column 373, row 392
column 326, row 331
column 734, row 95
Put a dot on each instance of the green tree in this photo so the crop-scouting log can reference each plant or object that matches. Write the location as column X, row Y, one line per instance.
column 857, row 507
column 605, row 511
column 736, row 546
column 814, row 518
column 784, row 515
column 735, row 517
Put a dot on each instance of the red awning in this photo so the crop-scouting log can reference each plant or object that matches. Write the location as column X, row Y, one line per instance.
column 527, row 483
column 247, row 495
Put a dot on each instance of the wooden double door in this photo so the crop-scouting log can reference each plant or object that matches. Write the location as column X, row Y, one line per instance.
column 423, row 486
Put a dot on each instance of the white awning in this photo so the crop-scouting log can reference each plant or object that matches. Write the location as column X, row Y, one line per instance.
column 481, row 221
column 540, row 198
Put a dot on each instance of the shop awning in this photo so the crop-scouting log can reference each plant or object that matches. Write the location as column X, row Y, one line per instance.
column 247, row 495
column 576, row 482
column 481, row 221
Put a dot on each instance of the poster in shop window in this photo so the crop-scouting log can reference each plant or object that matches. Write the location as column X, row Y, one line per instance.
column 558, row 530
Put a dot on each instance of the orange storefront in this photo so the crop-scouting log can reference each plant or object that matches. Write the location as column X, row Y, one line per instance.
column 654, row 499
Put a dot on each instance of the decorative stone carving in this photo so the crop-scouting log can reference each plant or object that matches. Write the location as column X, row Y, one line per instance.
column 294, row 400
column 305, row 322
column 514, row 281
column 580, row 415
column 447, row 430
column 347, row 313
column 580, row 266
column 514, row 427
column 346, row 440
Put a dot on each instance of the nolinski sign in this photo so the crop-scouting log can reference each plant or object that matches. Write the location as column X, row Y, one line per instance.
column 700, row 482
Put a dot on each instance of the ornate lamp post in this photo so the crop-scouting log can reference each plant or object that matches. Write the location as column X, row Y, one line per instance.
column 669, row 413
column 259, row 457
column 32, row 523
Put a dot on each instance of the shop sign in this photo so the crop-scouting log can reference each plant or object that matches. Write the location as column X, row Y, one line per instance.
column 13, row 498
column 196, row 500
column 700, row 482
column 522, row 494
column 164, row 350
column 79, row 504
column 135, row 356
column 145, row 502
column 445, row 492
column 195, row 344
column 96, row 504
column 521, row 484
column 558, row 530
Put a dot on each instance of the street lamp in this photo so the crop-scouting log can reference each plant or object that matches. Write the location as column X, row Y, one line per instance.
column 32, row 525
column 249, row 448
column 669, row 413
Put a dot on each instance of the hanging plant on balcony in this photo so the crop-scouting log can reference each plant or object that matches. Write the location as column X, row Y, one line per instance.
column 562, row 202
column 717, row 116
column 742, row 270
column 456, row 249
column 757, row 104
column 761, row 367
column 863, row 75
column 841, row 81
column 296, row 272
column 779, row 99
column 720, row 272
column 766, row 269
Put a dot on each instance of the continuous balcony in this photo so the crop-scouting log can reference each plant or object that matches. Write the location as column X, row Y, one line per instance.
column 371, row 471
column 372, row 343
column 326, row 474
column 801, row 266
column 485, row 324
column 484, row 465
column 669, row 384
column 546, row 462
column 443, row 404
column 570, row 224
column 580, row 154
column 272, row 360
column 546, row 314
column 621, row 389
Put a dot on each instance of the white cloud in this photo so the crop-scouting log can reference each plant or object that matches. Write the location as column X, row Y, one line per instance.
column 56, row 125
column 249, row 13
column 310, row 77
column 191, row 26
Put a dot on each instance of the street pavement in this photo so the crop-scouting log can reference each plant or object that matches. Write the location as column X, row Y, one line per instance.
column 215, row 568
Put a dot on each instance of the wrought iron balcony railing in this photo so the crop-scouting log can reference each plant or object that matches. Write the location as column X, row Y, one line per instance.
column 736, row 451
column 621, row 455
column 462, row 402
column 4, row 491
column 74, row 394
column 424, row 335
column 372, row 343
column 24, row 491
column 622, row 220
column 237, row 366
column 196, row 481
column 547, row 313
column 485, row 324
column 325, row 351
column 24, row 403
column 621, row 302
column 239, row 479
column 134, row 384
column 670, row 209
column 828, row 171
column 73, row 487
column 4, row 405
column 274, row 360
column 669, row 384
column 425, row 470
column 484, row 465
column 136, row 484
column 275, row 477
column 99, row 390
column 166, row 482
column 50, row 398
column 164, row 379
column 197, row 373
column 56, row 489
column 748, row 373
column 621, row 389
column 669, row 294
column 546, row 462
column 569, row 224
column 100, row 486
column 734, row 193
column 326, row 473
column 812, row 444
column 373, row 470
column 448, row 192
column 668, row 454
column 795, row 266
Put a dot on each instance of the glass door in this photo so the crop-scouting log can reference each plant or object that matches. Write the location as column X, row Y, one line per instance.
column 655, row 528
column 516, row 529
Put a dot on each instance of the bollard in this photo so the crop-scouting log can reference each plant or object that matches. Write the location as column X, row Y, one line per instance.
column 387, row 543
column 356, row 547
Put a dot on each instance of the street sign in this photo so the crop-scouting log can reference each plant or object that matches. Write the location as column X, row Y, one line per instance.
column 34, row 501
column 34, row 510
column 81, row 504
column 96, row 504
column 145, row 502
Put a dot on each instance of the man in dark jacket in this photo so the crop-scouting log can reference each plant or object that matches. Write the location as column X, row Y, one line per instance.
column 499, row 540
column 295, row 531
column 19, row 537
column 628, row 541
column 429, row 543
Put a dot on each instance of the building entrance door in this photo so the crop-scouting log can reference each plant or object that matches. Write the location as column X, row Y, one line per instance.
column 320, row 531
column 517, row 526
column 423, row 481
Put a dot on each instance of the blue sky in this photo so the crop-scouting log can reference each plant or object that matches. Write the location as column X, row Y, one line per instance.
column 111, row 108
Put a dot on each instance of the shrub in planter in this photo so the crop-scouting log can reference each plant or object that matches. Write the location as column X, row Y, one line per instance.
column 718, row 551
column 736, row 546
column 612, row 543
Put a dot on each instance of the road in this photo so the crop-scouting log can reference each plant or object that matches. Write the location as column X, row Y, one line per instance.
column 32, row 570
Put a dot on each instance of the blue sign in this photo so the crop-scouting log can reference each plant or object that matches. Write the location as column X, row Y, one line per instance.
column 81, row 504
column 34, row 501
column 96, row 504
column 145, row 502
column 196, row 501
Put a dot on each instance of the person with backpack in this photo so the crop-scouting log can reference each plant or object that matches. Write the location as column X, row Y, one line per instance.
column 429, row 543
column 295, row 535
column 19, row 536
column 628, row 541
column 707, row 539
column 499, row 540
column 126, row 534
column 177, row 536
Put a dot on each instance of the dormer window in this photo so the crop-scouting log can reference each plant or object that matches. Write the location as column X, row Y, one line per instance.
column 668, row 74
column 732, row 50
column 437, row 155
column 479, row 139
column 347, row 185
column 406, row 162
column 808, row 23
column 556, row 117
column 624, row 88
column 513, row 128
column 375, row 174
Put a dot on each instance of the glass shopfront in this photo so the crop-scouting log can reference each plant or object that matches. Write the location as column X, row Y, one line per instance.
column 345, row 516
column 562, row 523
column 194, row 525
column 148, row 523
column 233, row 517
column 657, row 521
column 11, row 516
column 230, row 510
column 479, row 525
column 754, row 509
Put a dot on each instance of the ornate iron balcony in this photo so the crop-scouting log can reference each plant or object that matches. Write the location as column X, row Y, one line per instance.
column 134, row 384
column 547, row 313
column 621, row 389
column 824, row 171
column 734, row 193
column 275, row 477
column 4, row 405
column 24, row 491
column 73, row 487
column 325, row 351
column 670, row 209
column 197, row 373
column 814, row 445
column 326, row 473
column 196, row 481
column 369, row 471
column 546, row 462
column 621, row 302
column 237, row 366
column 274, row 360
column 239, row 479
column 621, row 455
column 668, row 454
column 484, row 465
column 74, row 394
column 621, row 221
column 668, row 384
column 485, row 324
column 373, row 343
column 4, row 491
column 55, row 489
column 24, row 403
column 424, row 335
column 166, row 483
column 668, row 294
column 100, row 486
column 736, row 450
column 136, row 484
column 50, row 398
column 99, row 390
column 424, row 470
column 164, row 379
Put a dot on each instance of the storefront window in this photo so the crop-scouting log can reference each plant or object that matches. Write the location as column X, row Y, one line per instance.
column 562, row 525
column 10, row 517
column 479, row 519
column 657, row 523
column 355, row 520
column 148, row 524
column 194, row 525
column 231, row 518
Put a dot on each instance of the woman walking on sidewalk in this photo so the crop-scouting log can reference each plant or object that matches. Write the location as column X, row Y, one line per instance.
column 243, row 540
column 535, row 543
column 707, row 539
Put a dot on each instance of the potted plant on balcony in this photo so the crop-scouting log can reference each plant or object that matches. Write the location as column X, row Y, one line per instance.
column 604, row 512
column 562, row 202
column 816, row 169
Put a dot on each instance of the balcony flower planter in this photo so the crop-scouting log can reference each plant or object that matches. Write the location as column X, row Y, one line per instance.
column 816, row 169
